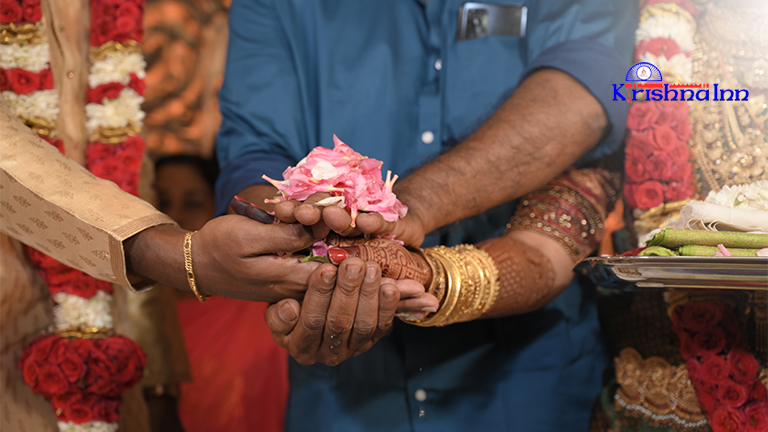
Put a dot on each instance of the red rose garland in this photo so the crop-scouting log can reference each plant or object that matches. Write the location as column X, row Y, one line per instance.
column 81, row 369
column 724, row 374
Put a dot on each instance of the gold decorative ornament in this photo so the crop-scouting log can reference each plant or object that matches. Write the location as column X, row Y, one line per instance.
column 466, row 282
column 188, row 267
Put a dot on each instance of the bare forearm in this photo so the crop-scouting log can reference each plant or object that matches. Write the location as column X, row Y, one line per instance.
column 533, row 270
column 543, row 128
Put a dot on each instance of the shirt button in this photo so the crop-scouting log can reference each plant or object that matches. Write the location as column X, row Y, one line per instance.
column 438, row 64
column 420, row 395
column 427, row 137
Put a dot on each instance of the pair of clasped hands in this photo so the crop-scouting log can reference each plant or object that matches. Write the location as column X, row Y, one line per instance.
column 323, row 312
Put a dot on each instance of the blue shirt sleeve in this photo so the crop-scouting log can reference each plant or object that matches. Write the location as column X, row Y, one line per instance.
column 580, row 59
column 261, row 105
column 593, row 41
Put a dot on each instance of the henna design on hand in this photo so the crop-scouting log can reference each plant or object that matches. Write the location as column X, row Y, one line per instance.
column 396, row 261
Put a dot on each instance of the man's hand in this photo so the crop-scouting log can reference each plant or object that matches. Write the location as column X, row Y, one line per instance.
column 345, row 311
column 326, row 219
column 232, row 256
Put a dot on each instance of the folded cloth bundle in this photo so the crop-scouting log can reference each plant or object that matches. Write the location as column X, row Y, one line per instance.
column 672, row 238
column 705, row 251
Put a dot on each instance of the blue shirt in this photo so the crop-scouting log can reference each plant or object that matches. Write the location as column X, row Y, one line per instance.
column 386, row 76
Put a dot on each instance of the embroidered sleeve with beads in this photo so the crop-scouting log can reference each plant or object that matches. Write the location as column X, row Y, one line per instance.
column 570, row 209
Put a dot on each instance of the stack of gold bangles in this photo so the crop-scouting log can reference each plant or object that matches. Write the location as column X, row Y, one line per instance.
column 466, row 282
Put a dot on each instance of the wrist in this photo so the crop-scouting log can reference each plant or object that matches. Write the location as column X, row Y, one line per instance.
column 152, row 252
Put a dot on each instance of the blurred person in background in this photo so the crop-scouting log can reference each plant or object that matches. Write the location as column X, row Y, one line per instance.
column 239, row 374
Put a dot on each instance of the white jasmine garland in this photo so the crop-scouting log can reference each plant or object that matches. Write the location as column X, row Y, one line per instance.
column 74, row 311
column 96, row 426
column 31, row 57
column 753, row 196
column 679, row 63
column 115, row 113
column 117, row 67
column 42, row 104
column 665, row 26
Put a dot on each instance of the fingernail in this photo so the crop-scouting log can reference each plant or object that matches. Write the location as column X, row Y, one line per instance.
column 337, row 255
column 286, row 313
column 389, row 294
column 370, row 274
column 328, row 276
column 428, row 309
column 353, row 271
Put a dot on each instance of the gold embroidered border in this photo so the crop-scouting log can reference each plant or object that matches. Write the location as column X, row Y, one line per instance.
column 657, row 391
column 26, row 33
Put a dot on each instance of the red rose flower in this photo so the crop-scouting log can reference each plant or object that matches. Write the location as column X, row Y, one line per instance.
column 41, row 347
column 731, row 329
column 29, row 372
column 105, row 10
column 109, row 90
column 77, row 410
column 664, row 138
column 634, row 166
column 675, row 115
column 97, row 151
column 758, row 392
column 658, row 46
column 58, row 350
column 675, row 191
column 10, row 12
column 137, row 84
column 102, row 30
column 725, row 419
column 24, row 81
column 743, row 365
column 731, row 394
column 72, row 366
column 107, row 410
column 756, row 417
column 701, row 315
column 5, row 81
column 649, row 195
column 706, row 396
column 714, row 370
column 640, row 143
column 687, row 349
column 46, row 79
column 642, row 116
column 129, row 10
column 659, row 167
column 709, row 342
column 52, row 380
column 31, row 11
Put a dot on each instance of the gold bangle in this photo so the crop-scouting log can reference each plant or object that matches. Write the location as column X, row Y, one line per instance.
column 466, row 279
column 188, row 267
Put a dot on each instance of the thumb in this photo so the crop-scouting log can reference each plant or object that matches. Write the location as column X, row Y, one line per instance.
column 282, row 317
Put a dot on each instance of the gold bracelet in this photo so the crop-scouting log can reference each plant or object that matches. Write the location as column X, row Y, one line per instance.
column 465, row 280
column 188, row 267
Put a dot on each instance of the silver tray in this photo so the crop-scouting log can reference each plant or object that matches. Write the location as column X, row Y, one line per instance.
column 677, row 272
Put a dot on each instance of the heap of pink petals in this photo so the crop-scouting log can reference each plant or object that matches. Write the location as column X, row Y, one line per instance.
column 353, row 181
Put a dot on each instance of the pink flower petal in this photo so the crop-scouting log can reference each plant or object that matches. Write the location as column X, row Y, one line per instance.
column 723, row 251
